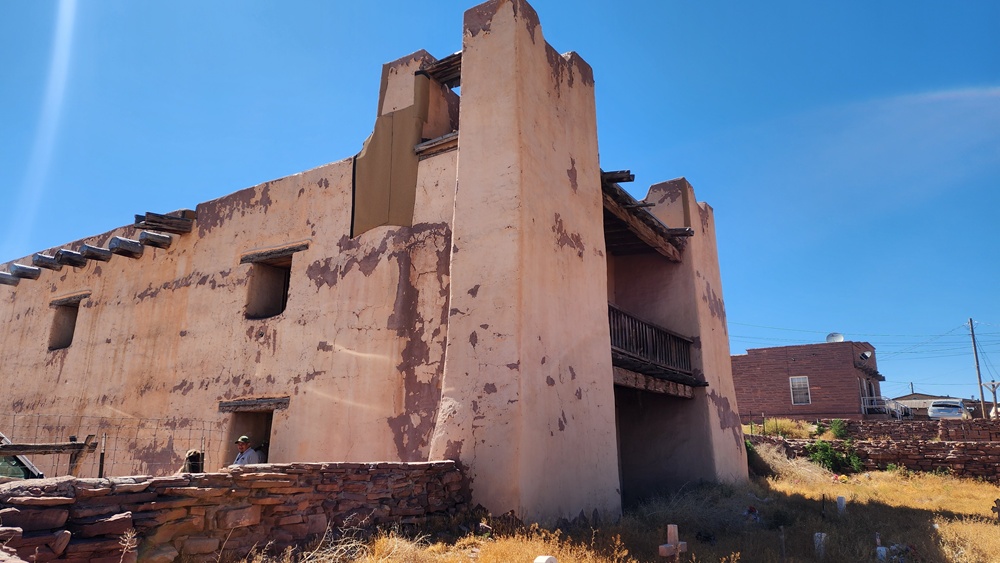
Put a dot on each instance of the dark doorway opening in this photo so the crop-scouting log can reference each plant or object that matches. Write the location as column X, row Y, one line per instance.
column 254, row 425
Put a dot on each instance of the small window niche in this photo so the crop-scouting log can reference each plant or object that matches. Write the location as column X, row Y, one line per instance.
column 270, row 280
column 64, row 321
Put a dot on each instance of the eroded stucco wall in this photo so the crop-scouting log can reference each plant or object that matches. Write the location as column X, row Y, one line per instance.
column 686, row 298
column 359, row 349
column 528, row 404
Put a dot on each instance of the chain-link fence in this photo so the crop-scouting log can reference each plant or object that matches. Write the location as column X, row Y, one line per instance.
column 112, row 445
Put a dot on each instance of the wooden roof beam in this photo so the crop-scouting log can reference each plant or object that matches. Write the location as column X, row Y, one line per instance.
column 25, row 272
column 70, row 258
column 167, row 223
column 641, row 229
column 45, row 261
column 156, row 240
column 447, row 71
column 95, row 253
column 125, row 247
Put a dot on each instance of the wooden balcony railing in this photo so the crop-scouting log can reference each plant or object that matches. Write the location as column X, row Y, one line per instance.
column 649, row 349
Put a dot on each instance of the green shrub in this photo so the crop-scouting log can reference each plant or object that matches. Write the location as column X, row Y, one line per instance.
column 820, row 428
column 824, row 454
column 839, row 428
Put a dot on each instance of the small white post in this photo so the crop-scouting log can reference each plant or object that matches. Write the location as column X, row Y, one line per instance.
column 841, row 505
column 545, row 559
column 819, row 543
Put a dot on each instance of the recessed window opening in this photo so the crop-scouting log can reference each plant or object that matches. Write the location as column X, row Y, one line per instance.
column 64, row 321
column 253, row 418
column 269, row 283
column 800, row 390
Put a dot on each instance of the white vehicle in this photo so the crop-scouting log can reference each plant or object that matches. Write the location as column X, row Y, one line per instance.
column 947, row 409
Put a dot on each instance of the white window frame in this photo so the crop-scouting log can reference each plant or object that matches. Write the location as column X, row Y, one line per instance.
column 798, row 380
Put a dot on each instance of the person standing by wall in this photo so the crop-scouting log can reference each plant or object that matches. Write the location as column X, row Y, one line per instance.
column 247, row 454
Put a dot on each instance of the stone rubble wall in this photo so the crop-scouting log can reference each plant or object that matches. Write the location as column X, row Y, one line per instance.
column 975, row 430
column 960, row 458
column 208, row 516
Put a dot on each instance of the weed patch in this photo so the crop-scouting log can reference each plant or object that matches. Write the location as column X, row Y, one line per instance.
column 828, row 457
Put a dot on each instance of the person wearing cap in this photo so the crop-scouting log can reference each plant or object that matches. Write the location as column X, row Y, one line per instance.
column 247, row 454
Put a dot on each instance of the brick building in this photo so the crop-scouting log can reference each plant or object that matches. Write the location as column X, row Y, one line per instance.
column 810, row 381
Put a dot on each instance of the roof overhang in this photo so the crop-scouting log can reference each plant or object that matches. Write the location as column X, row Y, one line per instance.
column 629, row 228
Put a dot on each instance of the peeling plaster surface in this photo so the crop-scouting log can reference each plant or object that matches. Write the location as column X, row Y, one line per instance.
column 341, row 351
column 479, row 334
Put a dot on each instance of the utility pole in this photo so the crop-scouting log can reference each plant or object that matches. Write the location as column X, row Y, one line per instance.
column 911, row 388
column 979, row 376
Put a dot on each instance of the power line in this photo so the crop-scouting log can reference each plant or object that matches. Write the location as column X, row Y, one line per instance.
column 861, row 333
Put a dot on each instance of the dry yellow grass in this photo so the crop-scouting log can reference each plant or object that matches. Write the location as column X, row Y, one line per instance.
column 786, row 428
column 928, row 517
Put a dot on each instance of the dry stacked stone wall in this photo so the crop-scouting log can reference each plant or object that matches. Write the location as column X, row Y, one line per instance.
column 213, row 516
column 965, row 459
column 975, row 430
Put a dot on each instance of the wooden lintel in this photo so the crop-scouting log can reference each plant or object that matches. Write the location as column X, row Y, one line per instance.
column 73, row 299
column 95, row 253
column 45, row 261
column 254, row 405
column 616, row 176
column 46, row 449
column 70, row 258
column 125, row 247
column 265, row 254
column 634, row 380
column 167, row 223
column 641, row 229
column 23, row 271
column 157, row 240
column 9, row 279
column 444, row 143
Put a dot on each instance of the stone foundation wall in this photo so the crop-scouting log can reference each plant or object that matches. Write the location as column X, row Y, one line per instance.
column 976, row 430
column 205, row 516
column 964, row 459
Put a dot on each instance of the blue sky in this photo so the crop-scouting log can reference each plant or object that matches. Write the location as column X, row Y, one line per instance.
column 851, row 149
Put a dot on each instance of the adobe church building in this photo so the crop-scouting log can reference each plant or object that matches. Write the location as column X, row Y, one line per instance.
column 470, row 286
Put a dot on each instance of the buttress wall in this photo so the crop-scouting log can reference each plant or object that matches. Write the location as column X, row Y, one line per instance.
column 528, row 403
